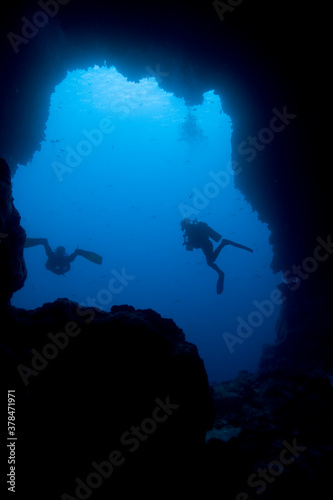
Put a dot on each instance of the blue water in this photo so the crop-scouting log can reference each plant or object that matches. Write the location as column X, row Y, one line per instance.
column 120, row 166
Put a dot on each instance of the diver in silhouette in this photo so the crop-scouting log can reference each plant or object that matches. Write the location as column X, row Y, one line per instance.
column 197, row 234
column 58, row 261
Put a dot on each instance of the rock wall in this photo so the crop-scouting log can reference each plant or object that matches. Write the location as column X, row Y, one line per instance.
column 112, row 403
column 12, row 237
column 107, row 403
column 257, row 57
column 272, row 436
column 269, row 69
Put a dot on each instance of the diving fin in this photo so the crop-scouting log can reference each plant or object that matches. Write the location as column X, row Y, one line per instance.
column 237, row 245
column 220, row 283
column 33, row 242
column 92, row 256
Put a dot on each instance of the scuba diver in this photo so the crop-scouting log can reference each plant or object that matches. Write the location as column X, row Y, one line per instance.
column 197, row 234
column 58, row 261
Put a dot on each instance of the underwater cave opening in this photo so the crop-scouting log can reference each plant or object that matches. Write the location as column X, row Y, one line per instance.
column 121, row 164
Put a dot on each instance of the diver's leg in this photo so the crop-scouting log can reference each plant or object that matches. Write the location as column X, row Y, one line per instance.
column 218, row 249
column 207, row 248
column 209, row 254
column 228, row 242
column 73, row 256
column 32, row 242
column 220, row 281
column 237, row 245
column 47, row 247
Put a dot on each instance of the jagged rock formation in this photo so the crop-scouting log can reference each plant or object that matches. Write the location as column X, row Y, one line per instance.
column 117, row 400
column 96, row 388
column 272, row 436
column 12, row 237
column 304, row 333
column 259, row 57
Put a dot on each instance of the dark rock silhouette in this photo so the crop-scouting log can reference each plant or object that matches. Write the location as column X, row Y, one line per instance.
column 123, row 381
column 272, row 436
column 260, row 58
column 118, row 403
column 90, row 385
column 12, row 237
column 252, row 70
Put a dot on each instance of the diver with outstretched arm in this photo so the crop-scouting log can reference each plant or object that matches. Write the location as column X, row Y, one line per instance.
column 197, row 234
column 58, row 262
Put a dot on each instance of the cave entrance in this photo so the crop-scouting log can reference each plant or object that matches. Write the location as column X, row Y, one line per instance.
column 121, row 164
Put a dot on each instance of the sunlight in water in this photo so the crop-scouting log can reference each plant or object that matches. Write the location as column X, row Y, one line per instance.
column 121, row 164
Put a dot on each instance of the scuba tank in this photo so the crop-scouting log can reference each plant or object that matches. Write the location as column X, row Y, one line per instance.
column 211, row 233
column 195, row 232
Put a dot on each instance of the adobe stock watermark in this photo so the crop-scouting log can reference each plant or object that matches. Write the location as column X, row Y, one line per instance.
column 309, row 265
column 95, row 137
column 124, row 106
column 84, row 148
column 157, row 73
column 266, row 308
column 266, row 476
column 266, row 135
column 201, row 199
column 211, row 190
column 130, row 442
column 104, row 297
column 222, row 8
column 255, row 319
column 30, row 27
column 59, row 341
